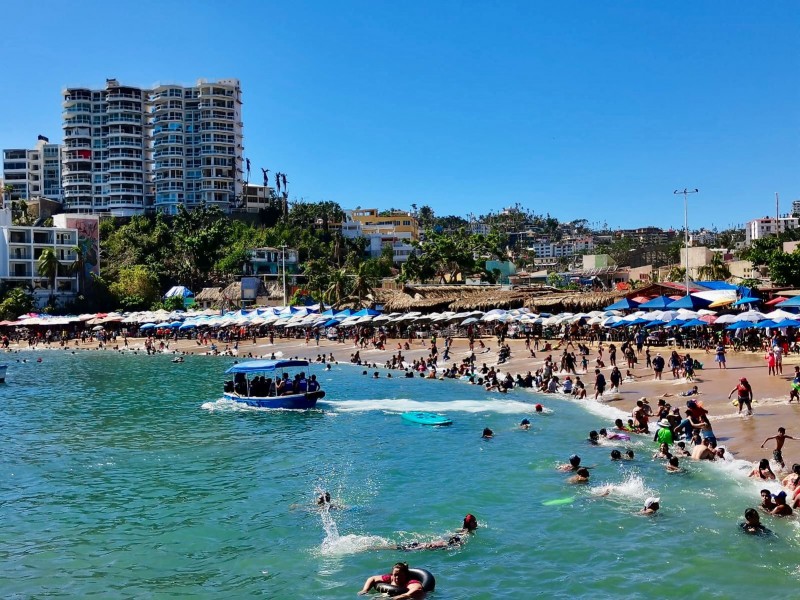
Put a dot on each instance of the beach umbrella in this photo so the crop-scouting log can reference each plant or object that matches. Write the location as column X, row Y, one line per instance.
column 788, row 323
column 623, row 304
column 187, row 326
column 656, row 303
column 97, row 328
column 176, row 324
column 690, row 301
column 708, row 319
column 367, row 312
column 750, row 315
column 722, row 302
column 675, row 323
column 777, row 300
column 738, row 325
column 694, row 323
column 725, row 319
column 748, row 300
column 778, row 314
column 794, row 301
column 655, row 323
column 765, row 324
column 639, row 321
column 332, row 323
column 148, row 326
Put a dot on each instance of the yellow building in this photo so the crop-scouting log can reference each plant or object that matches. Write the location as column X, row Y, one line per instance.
column 398, row 222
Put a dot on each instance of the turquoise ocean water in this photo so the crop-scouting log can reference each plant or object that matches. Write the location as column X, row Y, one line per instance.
column 127, row 477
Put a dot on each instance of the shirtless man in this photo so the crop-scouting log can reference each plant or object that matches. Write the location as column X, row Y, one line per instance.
column 703, row 452
column 780, row 439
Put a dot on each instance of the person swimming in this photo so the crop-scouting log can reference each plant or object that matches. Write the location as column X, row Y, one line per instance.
column 573, row 465
column 525, row 424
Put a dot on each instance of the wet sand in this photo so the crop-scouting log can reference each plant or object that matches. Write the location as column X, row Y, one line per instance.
column 741, row 435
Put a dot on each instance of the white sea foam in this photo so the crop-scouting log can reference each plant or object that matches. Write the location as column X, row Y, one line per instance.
column 338, row 545
column 404, row 404
column 632, row 487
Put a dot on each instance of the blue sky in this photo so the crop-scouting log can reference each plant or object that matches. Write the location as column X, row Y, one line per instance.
column 594, row 110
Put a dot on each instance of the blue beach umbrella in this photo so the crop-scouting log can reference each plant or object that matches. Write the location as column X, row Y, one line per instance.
column 694, row 323
column 623, row 304
column 657, row 303
column 639, row 321
column 366, row 312
column 187, row 326
column 739, row 325
column 675, row 323
column 746, row 301
column 788, row 323
column 147, row 326
column 764, row 324
column 794, row 301
column 689, row 301
column 176, row 324
column 332, row 323
column 652, row 324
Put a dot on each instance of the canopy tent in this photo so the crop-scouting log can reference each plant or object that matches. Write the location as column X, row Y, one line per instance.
column 659, row 302
column 793, row 301
column 623, row 304
column 180, row 291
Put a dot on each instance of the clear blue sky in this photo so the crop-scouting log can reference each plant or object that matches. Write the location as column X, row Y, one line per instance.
column 595, row 110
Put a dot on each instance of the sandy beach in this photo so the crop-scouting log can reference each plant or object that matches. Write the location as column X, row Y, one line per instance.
column 741, row 435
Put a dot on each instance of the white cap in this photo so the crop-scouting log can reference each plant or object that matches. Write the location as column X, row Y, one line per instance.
column 650, row 501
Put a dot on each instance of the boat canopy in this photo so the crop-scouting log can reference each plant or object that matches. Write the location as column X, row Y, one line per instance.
column 255, row 366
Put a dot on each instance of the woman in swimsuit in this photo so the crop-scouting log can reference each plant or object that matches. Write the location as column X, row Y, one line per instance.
column 399, row 577
column 763, row 471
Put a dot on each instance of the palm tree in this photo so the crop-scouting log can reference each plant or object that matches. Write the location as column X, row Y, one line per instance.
column 337, row 287
column 715, row 270
column 364, row 281
column 676, row 274
column 78, row 267
column 47, row 265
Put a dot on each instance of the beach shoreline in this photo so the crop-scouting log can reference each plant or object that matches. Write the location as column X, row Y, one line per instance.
column 741, row 435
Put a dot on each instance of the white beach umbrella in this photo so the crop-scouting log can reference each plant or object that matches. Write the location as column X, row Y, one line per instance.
column 752, row 316
column 725, row 320
column 779, row 315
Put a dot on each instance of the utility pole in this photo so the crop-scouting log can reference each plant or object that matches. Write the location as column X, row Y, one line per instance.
column 686, row 192
column 283, row 256
column 777, row 215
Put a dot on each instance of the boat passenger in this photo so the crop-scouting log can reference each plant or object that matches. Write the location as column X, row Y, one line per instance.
column 313, row 384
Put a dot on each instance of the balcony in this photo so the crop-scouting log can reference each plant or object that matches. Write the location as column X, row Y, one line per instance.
column 77, row 94
column 123, row 118
column 73, row 168
column 168, row 152
column 122, row 142
column 79, row 192
column 123, row 95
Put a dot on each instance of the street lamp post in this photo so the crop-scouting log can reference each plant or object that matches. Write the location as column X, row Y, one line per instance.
column 283, row 257
column 686, row 192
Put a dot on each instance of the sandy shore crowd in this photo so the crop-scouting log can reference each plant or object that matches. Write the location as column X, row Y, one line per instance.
column 743, row 435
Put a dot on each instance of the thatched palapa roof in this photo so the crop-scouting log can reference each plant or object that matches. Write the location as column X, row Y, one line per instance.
column 464, row 298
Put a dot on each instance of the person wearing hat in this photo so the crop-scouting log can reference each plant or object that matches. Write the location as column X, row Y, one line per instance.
column 651, row 506
column 664, row 433
column 782, row 509
column 744, row 395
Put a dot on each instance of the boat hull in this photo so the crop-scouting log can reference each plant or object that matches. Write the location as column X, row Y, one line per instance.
column 294, row 402
column 426, row 418
column 3, row 373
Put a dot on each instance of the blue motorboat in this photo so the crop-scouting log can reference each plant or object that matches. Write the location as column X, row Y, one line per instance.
column 267, row 384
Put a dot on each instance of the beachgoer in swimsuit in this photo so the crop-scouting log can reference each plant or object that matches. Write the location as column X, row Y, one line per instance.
column 399, row 577
column 780, row 439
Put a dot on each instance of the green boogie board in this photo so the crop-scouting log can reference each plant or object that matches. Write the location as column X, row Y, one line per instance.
column 426, row 418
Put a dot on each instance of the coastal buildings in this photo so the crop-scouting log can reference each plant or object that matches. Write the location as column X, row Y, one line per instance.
column 127, row 148
column 393, row 228
column 21, row 248
column 761, row 228
column 196, row 144
column 104, row 156
column 35, row 172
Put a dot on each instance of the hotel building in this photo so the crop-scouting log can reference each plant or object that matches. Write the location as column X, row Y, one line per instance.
column 34, row 173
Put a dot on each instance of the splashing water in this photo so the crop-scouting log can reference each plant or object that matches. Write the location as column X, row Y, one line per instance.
column 339, row 545
column 632, row 487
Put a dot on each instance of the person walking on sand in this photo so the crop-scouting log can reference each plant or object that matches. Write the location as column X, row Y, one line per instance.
column 720, row 356
column 744, row 395
column 780, row 439
column 658, row 366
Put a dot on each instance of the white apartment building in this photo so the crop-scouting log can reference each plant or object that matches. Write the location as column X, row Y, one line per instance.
column 104, row 161
column 20, row 249
column 196, row 144
column 34, row 173
column 760, row 228
column 128, row 148
column 545, row 248
column 704, row 237
column 796, row 207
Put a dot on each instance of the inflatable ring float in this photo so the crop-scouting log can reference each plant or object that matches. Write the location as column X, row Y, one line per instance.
column 424, row 576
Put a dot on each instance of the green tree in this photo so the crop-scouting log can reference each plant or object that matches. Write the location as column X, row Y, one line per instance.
column 784, row 268
column 48, row 266
column 136, row 289
column 338, row 287
column 676, row 274
column 761, row 250
column 200, row 235
column 15, row 302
